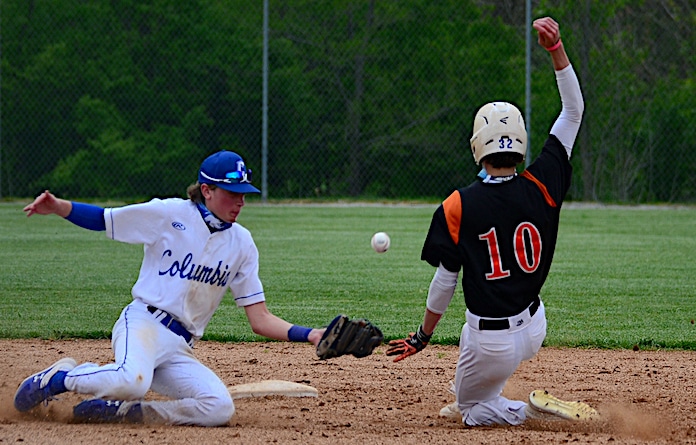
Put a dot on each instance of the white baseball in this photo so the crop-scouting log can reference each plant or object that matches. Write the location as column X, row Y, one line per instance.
column 380, row 242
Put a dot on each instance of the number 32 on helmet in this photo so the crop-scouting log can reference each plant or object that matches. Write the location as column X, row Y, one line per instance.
column 498, row 128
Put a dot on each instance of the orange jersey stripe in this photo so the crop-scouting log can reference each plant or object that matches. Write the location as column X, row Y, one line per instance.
column 453, row 213
column 542, row 187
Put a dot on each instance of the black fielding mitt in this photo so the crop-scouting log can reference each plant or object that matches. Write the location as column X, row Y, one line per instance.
column 345, row 336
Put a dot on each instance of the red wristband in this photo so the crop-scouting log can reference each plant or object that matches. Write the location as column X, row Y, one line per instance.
column 555, row 46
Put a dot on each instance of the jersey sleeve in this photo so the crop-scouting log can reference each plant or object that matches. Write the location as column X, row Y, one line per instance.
column 136, row 223
column 553, row 169
column 440, row 245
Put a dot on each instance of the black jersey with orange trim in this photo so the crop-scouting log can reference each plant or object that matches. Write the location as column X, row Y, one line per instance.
column 502, row 235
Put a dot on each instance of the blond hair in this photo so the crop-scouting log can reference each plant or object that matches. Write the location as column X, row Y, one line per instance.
column 195, row 194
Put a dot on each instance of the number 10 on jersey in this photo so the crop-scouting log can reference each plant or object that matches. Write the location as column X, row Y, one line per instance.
column 527, row 248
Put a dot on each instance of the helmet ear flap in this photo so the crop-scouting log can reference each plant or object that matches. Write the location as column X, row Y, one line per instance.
column 498, row 128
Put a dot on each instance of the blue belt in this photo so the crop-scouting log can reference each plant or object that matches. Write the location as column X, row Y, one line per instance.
column 172, row 324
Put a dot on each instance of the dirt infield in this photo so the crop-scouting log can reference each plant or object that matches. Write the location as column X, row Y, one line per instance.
column 645, row 397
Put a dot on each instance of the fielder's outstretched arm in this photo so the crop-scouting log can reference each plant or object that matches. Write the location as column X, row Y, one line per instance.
column 264, row 323
column 87, row 216
column 47, row 204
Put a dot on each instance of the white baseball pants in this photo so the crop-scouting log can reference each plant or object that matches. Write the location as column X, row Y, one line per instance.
column 150, row 356
column 487, row 359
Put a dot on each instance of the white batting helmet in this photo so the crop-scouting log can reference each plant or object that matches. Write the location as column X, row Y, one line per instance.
column 498, row 128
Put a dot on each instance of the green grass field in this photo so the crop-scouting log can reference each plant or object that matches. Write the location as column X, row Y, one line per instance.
column 621, row 276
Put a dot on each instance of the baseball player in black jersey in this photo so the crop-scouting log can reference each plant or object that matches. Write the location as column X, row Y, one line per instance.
column 500, row 232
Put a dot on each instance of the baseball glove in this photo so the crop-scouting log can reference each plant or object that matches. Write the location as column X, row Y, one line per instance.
column 345, row 336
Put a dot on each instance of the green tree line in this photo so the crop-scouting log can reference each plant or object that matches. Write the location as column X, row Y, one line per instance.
column 365, row 98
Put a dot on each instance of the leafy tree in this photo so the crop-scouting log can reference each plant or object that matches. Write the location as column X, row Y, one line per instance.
column 397, row 82
column 636, row 61
column 375, row 99
column 162, row 79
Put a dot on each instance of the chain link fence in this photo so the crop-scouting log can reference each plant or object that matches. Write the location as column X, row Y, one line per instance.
column 357, row 99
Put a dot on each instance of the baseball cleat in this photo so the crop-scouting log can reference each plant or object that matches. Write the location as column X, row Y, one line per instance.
column 108, row 411
column 37, row 388
column 451, row 411
column 541, row 401
column 534, row 414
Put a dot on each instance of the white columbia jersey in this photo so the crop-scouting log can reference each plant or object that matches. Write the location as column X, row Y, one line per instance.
column 186, row 270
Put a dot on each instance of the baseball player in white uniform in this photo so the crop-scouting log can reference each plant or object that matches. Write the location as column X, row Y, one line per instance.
column 194, row 251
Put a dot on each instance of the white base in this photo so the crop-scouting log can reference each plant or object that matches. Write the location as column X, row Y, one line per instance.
column 272, row 388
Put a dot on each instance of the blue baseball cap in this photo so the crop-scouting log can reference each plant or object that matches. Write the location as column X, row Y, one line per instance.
column 227, row 170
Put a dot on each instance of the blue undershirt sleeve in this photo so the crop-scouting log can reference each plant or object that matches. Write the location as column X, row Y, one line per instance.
column 87, row 216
